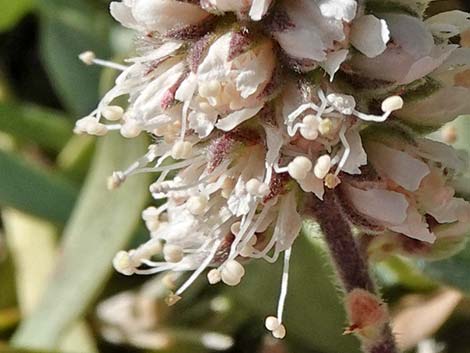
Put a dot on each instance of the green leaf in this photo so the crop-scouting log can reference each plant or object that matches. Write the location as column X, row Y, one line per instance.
column 7, row 279
column 403, row 272
column 102, row 223
column 31, row 123
column 32, row 243
column 314, row 316
column 462, row 125
column 13, row 11
column 34, row 191
column 75, row 159
column 452, row 271
column 4, row 349
column 68, row 29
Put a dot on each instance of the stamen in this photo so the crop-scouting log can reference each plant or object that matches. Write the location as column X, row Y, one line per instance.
column 130, row 129
column 115, row 180
column 197, row 205
column 89, row 58
column 113, row 113
column 284, row 284
column 200, row 269
column 232, row 273
column 173, row 253
column 299, row 167
column 347, row 150
column 389, row 105
column 181, row 150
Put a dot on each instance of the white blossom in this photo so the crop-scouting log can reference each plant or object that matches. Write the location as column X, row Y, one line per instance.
column 253, row 106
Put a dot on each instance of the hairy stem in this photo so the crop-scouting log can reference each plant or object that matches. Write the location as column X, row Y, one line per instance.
column 365, row 309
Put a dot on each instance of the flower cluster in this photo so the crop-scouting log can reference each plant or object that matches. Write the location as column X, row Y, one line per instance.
column 258, row 103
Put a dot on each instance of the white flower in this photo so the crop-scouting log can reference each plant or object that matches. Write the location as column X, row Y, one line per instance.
column 157, row 15
column 370, row 35
column 413, row 54
column 255, row 8
column 228, row 83
column 450, row 99
column 308, row 33
column 249, row 118
column 413, row 184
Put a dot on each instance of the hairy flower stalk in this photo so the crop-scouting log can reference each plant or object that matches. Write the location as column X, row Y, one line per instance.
column 261, row 106
column 367, row 313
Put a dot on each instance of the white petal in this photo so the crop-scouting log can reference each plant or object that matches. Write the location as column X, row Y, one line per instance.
column 451, row 211
column 415, row 227
column 370, row 35
column 274, row 142
column 413, row 56
column 312, row 184
column 187, row 88
column 254, row 69
column 439, row 108
column 165, row 15
column 229, row 5
column 288, row 224
column 215, row 65
column 312, row 34
column 357, row 156
column 202, row 123
column 259, row 8
column 382, row 205
column 410, row 33
column 236, row 118
column 162, row 51
column 302, row 44
column 123, row 13
column 149, row 101
column 398, row 166
column 441, row 152
column 449, row 24
column 428, row 64
column 240, row 201
column 338, row 9
column 333, row 62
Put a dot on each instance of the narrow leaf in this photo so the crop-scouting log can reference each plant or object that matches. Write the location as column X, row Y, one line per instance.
column 34, row 191
column 68, row 29
column 31, row 123
column 13, row 11
column 102, row 223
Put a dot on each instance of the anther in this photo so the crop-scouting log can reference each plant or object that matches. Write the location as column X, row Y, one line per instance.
column 122, row 262
column 113, row 113
column 196, row 205
column 87, row 57
column 115, row 180
column 214, row 276
column 173, row 253
column 182, row 150
column 322, row 166
column 326, row 126
column 209, row 89
column 392, row 103
column 257, row 188
column 332, row 181
column 172, row 299
column 274, row 325
column 232, row 273
column 130, row 129
column 299, row 167
column 309, row 130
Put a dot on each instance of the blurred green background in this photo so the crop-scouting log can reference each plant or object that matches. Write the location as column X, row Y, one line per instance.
column 60, row 227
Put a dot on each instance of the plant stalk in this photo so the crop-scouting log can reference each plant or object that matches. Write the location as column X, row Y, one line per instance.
column 367, row 312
